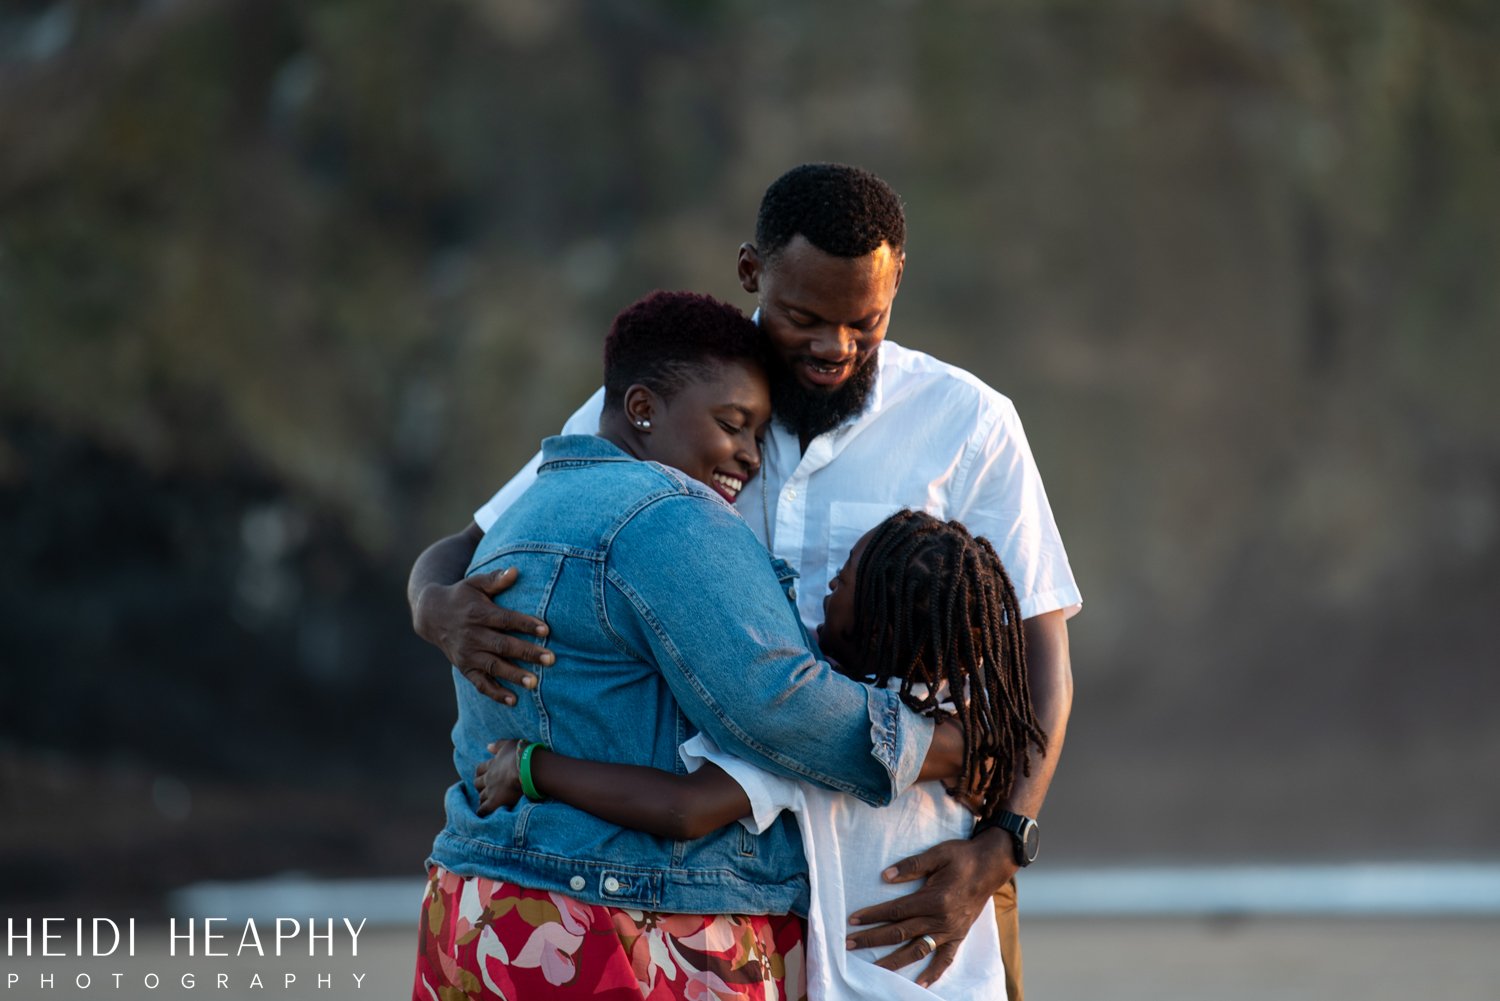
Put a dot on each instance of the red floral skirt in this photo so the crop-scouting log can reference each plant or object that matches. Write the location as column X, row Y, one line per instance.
column 482, row 939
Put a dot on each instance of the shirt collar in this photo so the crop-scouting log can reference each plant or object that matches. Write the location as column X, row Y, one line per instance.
column 877, row 391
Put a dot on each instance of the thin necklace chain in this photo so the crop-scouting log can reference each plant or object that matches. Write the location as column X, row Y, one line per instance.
column 765, row 508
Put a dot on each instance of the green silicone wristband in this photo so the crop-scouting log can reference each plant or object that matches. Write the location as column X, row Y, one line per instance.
column 528, row 786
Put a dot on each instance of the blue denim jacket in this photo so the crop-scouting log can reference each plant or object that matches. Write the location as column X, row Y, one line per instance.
column 667, row 616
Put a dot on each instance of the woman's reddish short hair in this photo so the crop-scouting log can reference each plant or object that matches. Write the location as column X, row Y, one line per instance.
column 670, row 338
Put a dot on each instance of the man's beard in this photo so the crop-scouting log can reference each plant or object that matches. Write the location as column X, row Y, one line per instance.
column 808, row 413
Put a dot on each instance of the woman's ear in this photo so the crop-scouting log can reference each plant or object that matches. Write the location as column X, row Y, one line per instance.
column 640, row 407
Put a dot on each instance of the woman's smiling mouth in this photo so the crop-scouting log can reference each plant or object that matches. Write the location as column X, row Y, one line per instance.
column 728, row 485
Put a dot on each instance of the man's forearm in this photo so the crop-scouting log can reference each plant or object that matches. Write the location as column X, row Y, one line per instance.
column 444, row 562
column 1049, row 672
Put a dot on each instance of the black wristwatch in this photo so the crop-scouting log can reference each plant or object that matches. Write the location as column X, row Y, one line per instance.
column 1024, row 834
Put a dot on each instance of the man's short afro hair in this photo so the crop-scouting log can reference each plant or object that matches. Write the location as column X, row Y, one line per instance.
column 668, row 339
column 841, row 210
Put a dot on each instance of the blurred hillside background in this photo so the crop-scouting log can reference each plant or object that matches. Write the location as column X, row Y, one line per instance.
column 287, row 289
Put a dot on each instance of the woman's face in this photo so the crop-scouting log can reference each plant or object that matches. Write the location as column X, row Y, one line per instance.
column 711, row 428
column 836, row 635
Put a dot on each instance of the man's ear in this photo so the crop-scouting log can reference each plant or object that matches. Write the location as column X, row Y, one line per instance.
column 640, row 407
column 900, row 271
column 749, row 268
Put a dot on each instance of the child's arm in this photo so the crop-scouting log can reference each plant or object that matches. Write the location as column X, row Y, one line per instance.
column 679, row 807
column 945, row 756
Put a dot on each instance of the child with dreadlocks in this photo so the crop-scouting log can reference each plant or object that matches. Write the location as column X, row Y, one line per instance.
column 920, row 604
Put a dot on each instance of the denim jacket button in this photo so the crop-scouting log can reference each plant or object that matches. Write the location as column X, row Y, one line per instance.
column 578, row 883
column 791, row 592
column 611, row 885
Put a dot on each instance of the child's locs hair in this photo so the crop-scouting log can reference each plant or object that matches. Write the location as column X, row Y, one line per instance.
column 933, row 606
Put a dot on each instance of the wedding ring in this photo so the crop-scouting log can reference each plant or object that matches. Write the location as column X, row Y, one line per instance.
column 931, row 943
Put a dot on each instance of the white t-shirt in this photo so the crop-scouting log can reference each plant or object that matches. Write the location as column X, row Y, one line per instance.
column 934, row 438
column 847, row 844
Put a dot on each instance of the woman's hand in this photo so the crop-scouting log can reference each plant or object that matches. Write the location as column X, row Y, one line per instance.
column 498, row 780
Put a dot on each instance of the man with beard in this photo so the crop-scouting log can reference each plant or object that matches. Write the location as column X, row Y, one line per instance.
column 862, row 428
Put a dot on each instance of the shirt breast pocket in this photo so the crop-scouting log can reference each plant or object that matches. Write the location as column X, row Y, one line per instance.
column 847, row 521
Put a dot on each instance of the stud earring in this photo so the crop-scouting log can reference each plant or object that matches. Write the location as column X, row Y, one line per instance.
column 642, row 424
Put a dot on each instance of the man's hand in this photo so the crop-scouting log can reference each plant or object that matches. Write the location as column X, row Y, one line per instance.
column 961, row 878
column 498, row 780
column 475, row 634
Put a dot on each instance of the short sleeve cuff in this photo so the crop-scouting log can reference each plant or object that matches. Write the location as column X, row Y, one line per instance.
column 769, row 794
column 1066, row 598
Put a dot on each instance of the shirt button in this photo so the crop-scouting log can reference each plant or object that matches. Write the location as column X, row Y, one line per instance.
column 791, row 592
column 791, row 495
column 578, row 883
column 611, row 885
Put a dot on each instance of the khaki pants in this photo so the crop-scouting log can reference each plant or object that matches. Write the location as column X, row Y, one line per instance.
column 1009, row 920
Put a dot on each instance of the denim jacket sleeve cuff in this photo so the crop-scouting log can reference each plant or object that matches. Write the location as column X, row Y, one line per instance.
column 899, row 738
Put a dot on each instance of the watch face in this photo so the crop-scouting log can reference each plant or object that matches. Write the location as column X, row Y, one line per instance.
column 1031, row 841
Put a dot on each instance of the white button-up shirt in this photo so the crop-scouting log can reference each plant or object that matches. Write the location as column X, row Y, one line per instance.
column 932, row 437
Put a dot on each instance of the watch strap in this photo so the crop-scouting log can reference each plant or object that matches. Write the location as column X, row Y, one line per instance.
column 1013, row 824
